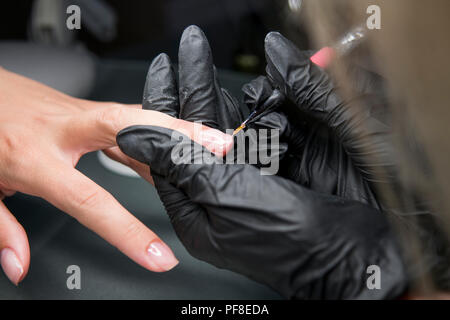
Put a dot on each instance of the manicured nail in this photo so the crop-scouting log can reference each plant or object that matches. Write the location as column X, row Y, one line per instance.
column 11, row 265
column 216, row 141
column 161, row 255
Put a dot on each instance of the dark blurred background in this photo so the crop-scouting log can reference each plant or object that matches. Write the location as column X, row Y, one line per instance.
column 141, row 29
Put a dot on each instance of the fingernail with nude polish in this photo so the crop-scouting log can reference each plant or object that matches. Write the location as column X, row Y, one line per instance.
column 11, row 265
column 216, row 141
column 161, row 255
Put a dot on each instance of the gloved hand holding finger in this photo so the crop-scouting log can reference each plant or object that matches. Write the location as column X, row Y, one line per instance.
column 348, row 146
column 235, row 218
column 312, row 245
column 361, row 124
column 310, row 154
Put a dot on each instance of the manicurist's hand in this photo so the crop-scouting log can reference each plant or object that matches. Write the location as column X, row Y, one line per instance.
column 302, row 243
column 43, row 134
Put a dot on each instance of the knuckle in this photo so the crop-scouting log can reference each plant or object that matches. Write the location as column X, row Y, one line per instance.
column 10, row 142
column 12, row 151
column 110, row 117
column 90, row 198
column 133, row 230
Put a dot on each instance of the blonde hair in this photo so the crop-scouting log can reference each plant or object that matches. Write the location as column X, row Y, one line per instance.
column 411, row 51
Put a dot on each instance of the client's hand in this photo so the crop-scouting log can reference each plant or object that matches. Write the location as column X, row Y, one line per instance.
column 43, row 134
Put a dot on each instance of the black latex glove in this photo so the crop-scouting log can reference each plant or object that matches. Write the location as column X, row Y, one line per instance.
column 310, row 154
column 301, row 243
column 346, row 147
column 341, row 146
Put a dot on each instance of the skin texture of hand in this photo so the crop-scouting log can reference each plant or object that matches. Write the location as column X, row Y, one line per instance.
column 43, row 134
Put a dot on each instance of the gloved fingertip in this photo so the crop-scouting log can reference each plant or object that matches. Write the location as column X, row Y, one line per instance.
column 272, row 36
column 194, row 49
column 160, row 91
column 193, row 35
column 273, row 42
column 196, row 78
column 280, row 50
column 192, row 29
column 162, row 60
column 160, row 70
column 129, row 143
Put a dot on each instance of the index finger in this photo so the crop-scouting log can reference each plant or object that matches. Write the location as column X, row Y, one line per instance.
column 97, row 129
